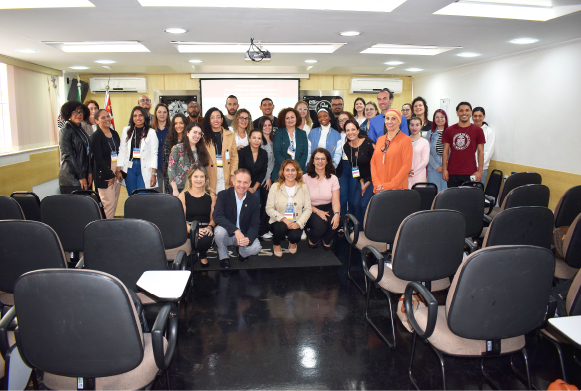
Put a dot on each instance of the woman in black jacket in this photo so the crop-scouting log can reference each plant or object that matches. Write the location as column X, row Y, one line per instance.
column 254, row 159
column 74, row 173
column 104, row 149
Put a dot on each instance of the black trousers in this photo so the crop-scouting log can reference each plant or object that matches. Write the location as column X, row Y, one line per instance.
column 264, row 225
column 319, row 228
column 457, row 180
column 280, row 229
column 204, row 244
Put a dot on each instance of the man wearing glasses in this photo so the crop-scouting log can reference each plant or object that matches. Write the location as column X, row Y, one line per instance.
column 194, row 113
column 144, row 102
column 337, row 107
column 377, row 124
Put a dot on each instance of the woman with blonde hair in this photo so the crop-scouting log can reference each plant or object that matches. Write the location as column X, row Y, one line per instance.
column 241, row 126
column 306, row 122
column 199, row 200
column 289, row 206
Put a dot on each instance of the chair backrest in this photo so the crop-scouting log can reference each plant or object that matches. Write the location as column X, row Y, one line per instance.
column 500, row 292
column 478, row 185
column 25, row 246
column 77, row 323
column 124, row 248
column 163, row 210
column 94, row 195
column 572, row 244
column 429, row 245
column 467, row 200
column 10, row 209
column 428, row 191
column 517, row 180
column 68, row 215
column 573, row 302
column 523, row 225
column 494, row 183
column 527, row 195
column 568, row 208
column 30, row 204
column 386, row 211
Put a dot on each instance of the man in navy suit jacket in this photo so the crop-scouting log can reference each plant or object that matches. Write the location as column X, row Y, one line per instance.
column 377, row 123
column 237, row 219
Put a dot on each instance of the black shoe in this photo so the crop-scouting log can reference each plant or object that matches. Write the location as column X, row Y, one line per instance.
column 327, row 248
column 205, row 265
column 225, row 264
column 241, row 258
column 313, row 246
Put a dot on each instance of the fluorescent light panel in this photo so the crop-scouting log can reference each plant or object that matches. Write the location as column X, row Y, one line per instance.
column 524, row 10
column 327, row 5
column 407, row 49
column 209, row 47
column 25, row 4
column 414, row 69
column 100, row 47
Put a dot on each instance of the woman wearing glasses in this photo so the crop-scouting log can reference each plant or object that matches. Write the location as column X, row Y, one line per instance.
column 185, row 155
column 392, row 159
column 306, row 122
column 221, row 145
column 290, row 142
column 74, row 149
column 241, row 126
column 434, row 137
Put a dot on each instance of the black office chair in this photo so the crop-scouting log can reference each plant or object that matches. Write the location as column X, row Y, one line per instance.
column 126, row 248
column 26, row 246
column 526, row 195
column 569, row 266
column 30, row 204
column 427, row 192
column 10, row 209
column 94, row 195
column 478, row 185
column 470, row 202
column 568, row 207
column 167, row 213
column 384, row 214
column 492, row 189
column 144, row 191
column 428, row 248
column 80, row 327
column 511, row 183
column 68, row 215
column 490, row 307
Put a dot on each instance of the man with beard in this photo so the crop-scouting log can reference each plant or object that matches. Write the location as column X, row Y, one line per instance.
column 266, row 106
column 337, row 105
column 194, row 113
column 231, row 107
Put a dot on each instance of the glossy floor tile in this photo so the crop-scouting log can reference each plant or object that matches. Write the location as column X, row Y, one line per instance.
column 304, row 328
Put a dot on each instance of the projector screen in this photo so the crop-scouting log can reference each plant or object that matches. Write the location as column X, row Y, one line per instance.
column 283, row 92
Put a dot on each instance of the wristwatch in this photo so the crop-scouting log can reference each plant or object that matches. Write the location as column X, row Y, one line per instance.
column 337, row 213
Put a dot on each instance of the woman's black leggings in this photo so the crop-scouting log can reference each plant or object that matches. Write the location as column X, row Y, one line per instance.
column 204, row 244
column 280, row 229
column 319, row 228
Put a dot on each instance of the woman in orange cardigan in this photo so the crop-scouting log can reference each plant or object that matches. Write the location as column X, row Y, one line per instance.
column 392, row 160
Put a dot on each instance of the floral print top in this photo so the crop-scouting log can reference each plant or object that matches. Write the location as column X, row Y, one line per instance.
column 179, row 165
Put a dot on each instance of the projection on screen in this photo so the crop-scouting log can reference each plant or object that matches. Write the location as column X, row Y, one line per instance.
column 284, row 93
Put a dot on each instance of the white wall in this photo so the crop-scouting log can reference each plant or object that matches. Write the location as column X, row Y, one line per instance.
column 532, row 101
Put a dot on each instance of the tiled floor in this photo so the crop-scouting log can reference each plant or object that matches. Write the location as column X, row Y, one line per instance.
column 303, row 328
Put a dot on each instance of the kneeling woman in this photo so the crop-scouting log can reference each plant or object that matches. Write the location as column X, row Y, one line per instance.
column 325, row 198
column 289, row 206
column 198, row 200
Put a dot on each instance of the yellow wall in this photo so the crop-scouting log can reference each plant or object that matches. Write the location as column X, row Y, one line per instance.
column 41, row 167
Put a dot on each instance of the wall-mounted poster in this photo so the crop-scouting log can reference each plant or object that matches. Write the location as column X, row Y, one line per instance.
column 177, row 103
column 318, row 100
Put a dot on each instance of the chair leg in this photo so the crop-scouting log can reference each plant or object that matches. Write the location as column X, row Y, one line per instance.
column 524, row 379
column 166, row 374
column 561, row 358
column 412, row 362
column 488, row 378
column 362, row 290
column 391, row 344
column 442, row 366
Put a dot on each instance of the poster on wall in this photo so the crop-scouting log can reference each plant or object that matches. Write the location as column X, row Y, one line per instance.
column 177, row 103
column 317, row 102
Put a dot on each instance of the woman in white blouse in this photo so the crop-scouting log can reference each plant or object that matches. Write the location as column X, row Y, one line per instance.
column 478, row 115
column 241, row 126
column 306, row 121
column 359, row 111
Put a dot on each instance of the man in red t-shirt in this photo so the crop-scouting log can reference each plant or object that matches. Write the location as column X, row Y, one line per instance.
column 461, row 141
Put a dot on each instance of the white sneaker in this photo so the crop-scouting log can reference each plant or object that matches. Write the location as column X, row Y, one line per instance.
column 304, row 236
column 267, row 235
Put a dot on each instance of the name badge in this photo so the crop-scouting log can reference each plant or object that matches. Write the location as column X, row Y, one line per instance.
column 355, row 171
column 114, row 156
column 291, row 152
column 227, row 155
column 289, row 212
column 219, row 161
column 87, row 150
column 136, row 153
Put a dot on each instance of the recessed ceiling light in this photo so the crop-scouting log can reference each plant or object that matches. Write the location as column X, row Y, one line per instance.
column 414, row 69
column 539, row 10
column 327, row 5
column 27, row 51
column 195, row 61
column 175, row 30
column 45, row 4
column 311, row 61
column 79, row 67
column 393, row 63
column 105, row 62
column 210, row 47
column 349, row 33
column 524, row 41
column 468, row 54
column 407, row 49
column 99, row 46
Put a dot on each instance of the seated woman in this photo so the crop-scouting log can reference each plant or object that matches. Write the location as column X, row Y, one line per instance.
column 325, row 204
column 199, row 200
column 421, row 153
column 254, row 159
column 186, row 154
column 289, row 206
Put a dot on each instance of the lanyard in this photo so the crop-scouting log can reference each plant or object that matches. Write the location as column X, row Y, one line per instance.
column 221, row 144
column 356, row 154
column 85, row 137
column 109, row 145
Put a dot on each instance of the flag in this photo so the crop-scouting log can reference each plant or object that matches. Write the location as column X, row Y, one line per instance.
column 108, row 108
column 60, row 122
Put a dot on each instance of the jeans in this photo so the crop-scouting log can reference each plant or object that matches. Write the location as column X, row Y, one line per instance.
column 435, row 177
column 348, row 184
column 360, row 202
column 223, row 240
column 134, row 178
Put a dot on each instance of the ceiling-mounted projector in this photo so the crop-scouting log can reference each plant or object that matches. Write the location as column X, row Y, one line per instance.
column 257, row 56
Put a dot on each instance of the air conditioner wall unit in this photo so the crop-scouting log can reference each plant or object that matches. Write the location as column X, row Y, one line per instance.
column 118, row 85
column 373, row 86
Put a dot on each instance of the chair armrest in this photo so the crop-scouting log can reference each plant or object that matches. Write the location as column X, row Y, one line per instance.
column 346, row 220
column 551, row 312
column 380, row 264
column 4, row 324
column 166, row 320
column 194, row 234
column 432, row 308
column 487, row 219
column 81, row 263
column 491, row 203
column 470, row 245
column 179, row 261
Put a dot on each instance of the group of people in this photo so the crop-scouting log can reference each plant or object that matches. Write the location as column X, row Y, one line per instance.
column 273, row 177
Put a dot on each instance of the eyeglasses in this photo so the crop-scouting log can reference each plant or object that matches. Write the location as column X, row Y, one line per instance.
column 244, row 118
column 386, row 145
column 78, row 112
column 342, row 121
column 144, row 100
column 218, row 117
column 320, row 159
column 336, row 104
